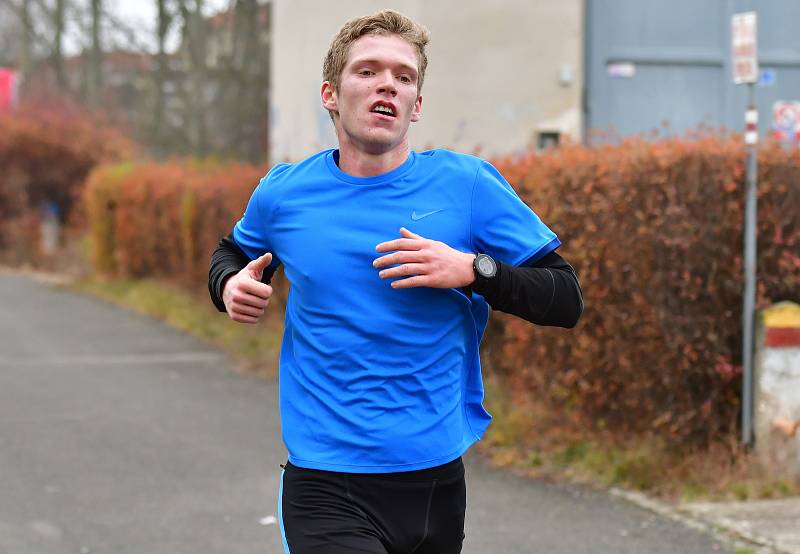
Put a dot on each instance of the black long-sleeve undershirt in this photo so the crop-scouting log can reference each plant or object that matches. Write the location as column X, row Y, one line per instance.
column 226, row 260
column 546, row 293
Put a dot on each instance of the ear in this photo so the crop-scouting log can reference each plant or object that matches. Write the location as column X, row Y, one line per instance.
column 416, row 112
column 328, row 95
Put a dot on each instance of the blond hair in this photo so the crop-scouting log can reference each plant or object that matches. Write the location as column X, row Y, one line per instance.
column 384, row 22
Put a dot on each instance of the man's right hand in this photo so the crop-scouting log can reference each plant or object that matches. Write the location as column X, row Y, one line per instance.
column 244, row 295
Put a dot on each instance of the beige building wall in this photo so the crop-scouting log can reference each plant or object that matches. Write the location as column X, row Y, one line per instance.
column 498, row 72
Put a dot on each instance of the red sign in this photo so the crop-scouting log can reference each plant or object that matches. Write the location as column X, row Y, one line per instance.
column 786, row 121
column 8, row 89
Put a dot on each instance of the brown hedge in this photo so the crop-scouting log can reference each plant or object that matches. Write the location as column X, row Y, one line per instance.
column 164, row 219
column 46, row 155
column 654, row 231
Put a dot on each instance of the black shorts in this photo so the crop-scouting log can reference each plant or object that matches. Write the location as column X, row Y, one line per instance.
column 419, row 512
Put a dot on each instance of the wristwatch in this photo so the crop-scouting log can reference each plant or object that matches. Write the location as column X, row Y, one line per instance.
column 485, row 270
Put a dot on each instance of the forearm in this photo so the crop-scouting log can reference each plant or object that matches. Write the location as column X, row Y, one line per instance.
column 548, row 293
column 228, row 259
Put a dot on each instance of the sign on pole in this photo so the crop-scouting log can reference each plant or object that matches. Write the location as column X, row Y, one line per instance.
column 786, row 121
column 745, row 52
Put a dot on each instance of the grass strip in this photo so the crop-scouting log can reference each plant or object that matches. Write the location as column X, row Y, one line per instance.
column 256, row 347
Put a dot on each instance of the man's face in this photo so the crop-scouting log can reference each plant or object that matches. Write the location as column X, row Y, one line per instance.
column 377, row 97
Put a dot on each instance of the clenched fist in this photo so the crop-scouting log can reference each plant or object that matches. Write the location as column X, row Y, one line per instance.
column 244, row 295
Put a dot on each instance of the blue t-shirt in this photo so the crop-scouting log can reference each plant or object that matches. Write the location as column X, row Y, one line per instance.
column 374, row 379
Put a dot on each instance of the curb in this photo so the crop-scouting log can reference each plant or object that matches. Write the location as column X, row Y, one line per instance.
column 725, row 530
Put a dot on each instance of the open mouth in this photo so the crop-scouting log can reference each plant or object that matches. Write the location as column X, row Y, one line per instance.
column 383, row 110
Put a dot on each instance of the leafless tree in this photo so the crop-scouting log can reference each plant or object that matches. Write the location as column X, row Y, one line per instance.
column 32, row 39
column 57, row 55
column 95, row 80
column 158, row 126
column 217, row 78
column 241, row 78
column 14, row 45
column 195, row 85
column 252, row 81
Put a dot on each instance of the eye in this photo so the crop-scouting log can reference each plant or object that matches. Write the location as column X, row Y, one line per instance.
column 366, row 72
column 405, row 79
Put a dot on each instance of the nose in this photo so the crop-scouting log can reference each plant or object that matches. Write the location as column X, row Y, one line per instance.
column 387, row 84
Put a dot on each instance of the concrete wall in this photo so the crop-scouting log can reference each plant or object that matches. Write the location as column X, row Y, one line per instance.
column 493, row 79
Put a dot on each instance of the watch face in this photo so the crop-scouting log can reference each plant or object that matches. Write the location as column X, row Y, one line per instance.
column 485, row 266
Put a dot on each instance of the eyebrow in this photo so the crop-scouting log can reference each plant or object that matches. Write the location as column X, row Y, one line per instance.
column 372, row 61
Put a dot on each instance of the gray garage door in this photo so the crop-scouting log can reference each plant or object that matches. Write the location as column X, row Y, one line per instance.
column 665, row 65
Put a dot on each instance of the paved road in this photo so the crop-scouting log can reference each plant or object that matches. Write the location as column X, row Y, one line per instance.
column 119, row 435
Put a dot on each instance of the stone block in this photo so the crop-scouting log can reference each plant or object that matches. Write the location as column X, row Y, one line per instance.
column 777, row 394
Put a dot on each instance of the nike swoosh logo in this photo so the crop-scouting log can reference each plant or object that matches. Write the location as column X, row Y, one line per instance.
column 416, row 217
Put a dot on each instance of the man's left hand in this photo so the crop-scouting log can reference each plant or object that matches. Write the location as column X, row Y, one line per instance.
column 424, row 263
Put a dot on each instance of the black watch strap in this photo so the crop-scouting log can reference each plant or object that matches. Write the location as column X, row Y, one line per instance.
column 485, row 268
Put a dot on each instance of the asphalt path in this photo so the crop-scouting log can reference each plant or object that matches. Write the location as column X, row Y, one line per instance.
column 120, row 435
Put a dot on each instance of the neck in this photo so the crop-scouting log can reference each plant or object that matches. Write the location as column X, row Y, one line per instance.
column 358, row 163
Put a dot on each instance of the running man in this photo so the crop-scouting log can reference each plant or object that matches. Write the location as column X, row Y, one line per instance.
column 394, row 257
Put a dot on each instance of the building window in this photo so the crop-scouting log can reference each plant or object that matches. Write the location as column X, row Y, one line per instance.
column 545, row 140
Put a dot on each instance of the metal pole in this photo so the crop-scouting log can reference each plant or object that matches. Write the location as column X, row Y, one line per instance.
column 748, row 315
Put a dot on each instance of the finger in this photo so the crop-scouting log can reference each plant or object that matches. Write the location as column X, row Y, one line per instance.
column 244, row 318
column 403, row 270
column 243, row 309
column 399, row 244
column 257, row 266
column 411, row 282
column 409, row 235
column 255, row 288
column 404, row 256
column 241, row 297
column 240, row 300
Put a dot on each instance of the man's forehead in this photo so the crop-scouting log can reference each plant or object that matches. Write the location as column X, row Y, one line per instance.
column 377, row 48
